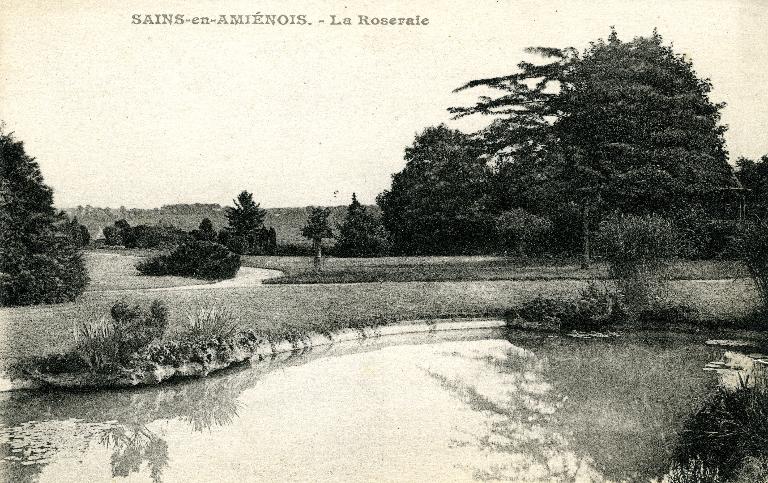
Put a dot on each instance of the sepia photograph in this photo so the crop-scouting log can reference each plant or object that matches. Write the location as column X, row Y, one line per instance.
column 384, row 241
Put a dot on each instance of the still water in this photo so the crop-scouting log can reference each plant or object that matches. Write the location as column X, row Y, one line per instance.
column 481, row 405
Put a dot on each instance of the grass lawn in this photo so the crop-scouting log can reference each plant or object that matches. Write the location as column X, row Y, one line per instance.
column 279, row 309
column 434, row 269
column 116, row 271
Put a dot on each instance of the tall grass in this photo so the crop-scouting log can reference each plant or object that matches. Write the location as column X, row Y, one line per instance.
column 729, row 433
column 96, row 343
column 212, row 322
column 639, row 250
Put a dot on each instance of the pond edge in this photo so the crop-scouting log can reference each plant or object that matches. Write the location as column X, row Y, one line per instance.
column 262, row 352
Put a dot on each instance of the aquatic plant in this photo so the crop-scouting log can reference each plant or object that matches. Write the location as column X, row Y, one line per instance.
column 728, row 431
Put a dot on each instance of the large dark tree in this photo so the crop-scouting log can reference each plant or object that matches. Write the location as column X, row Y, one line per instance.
column 361, row 234
column 623, row 126
column 437, row 203
column 39, row 262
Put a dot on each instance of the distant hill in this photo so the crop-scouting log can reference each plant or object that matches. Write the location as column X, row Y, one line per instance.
column 287, row 222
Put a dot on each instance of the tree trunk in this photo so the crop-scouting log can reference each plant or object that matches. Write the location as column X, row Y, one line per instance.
column 585, row 235
column 318, row 254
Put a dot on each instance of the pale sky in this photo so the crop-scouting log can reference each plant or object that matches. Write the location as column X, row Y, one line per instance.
column 145, row 115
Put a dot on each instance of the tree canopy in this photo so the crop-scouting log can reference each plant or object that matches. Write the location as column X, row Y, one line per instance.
column 437, row 204
column 627, row 123
column 39, row 261
column 361, row 234
column 622, row 126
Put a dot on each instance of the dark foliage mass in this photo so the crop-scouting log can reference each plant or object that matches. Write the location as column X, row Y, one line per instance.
column 40, row 261
column 246, row 233
column 437, row 204
column 197, row 259
column 144, row 236
column 361, row 234
column 620, row 127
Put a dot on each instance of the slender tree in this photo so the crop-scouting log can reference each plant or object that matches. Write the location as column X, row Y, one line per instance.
column 316, row 229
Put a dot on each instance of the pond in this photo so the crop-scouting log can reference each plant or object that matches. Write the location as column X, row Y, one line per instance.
column 477, row 405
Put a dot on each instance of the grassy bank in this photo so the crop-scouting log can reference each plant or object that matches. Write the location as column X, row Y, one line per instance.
column 299, row 270
column 284, row 309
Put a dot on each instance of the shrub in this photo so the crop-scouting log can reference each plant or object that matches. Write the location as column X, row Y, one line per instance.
column 523, row 232
column 104, row 344
column 198, row 259
column 752, row 248
column 595, row 308
column 638, row 250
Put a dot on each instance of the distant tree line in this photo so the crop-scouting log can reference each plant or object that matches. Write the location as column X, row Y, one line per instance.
column 245, row 234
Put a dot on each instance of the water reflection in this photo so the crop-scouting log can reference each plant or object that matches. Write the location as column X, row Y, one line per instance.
column 538, row 408
column 518, row 439
column 43, row 425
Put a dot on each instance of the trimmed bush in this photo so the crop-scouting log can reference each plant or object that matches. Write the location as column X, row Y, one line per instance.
column 197, row 259
column 638, row 250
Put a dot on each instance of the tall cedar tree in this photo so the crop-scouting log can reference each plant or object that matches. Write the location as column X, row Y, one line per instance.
column 39, row 262
column 361, row 234
column 624, row 126
column 437, row 203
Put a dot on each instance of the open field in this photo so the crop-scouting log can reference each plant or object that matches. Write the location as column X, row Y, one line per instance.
column 465, row 268
column 280, row 309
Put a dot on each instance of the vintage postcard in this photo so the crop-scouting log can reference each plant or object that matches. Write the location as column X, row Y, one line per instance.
column 417, row 241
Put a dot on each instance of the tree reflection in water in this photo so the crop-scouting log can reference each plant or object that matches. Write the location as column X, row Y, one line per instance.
column 41, row 426
column 592, row 410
